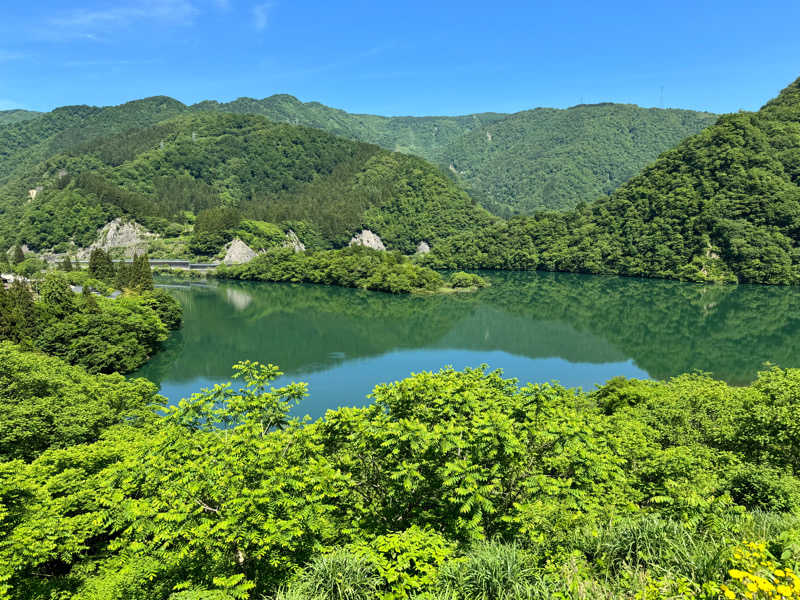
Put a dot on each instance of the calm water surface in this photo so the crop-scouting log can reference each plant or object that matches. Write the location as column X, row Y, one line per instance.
column 579, row 330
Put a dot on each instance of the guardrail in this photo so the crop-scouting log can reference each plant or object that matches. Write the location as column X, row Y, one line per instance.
column 162, row 262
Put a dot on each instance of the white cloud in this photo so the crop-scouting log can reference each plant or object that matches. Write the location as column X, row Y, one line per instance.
column 83, row 21
column 261, row 16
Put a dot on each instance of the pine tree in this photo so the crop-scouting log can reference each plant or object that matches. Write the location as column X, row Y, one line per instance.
column 19, row 255
column 144, row 275
column 19, row 320
column 100, row 265
column 125, row 275
column 66, row 264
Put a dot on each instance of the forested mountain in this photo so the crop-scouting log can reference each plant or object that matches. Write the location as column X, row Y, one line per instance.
column 16, row 115
column 555, row 159
column 325, row 187
column 724, row 205
column 24, row 144
column 424, row 136
column 545, row 158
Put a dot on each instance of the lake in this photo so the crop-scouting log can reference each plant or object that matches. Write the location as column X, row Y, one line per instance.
column 580, row 330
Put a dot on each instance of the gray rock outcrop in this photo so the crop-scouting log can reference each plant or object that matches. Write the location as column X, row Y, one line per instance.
column 238, row 252
column 129, row 235
column 293, row 242
column 367, row 238
column 423, row 248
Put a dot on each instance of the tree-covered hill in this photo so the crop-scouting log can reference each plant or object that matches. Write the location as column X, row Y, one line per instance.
column 26, row 143
column 423, row 136
column 555, row 159
column 16, row 115
column 323, row 186
column 724, row 205
column 544, row 158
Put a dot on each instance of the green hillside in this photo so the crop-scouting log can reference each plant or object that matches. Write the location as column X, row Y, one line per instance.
column 26, row 143
column 16, row 116
column 545, row 158
column 323, row 186
column 724, row 205
column 424, row 136
column 555, row 159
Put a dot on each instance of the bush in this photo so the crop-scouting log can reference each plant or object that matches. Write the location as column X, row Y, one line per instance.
column 460, row 279
column 491, row 571
column 340, row 575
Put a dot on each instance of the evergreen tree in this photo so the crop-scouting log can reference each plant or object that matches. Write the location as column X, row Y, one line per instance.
column 19, row 321
column 142, row 276
column 19, row 255
column 125, row 275
column 66, row 264
column 100, row 265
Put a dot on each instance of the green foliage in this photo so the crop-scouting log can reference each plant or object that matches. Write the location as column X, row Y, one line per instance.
column 490, row 571
column 66, row 264
column 168, row 309
column 16, row 116
column 356, row 266
column 724, row 205
column 18, row 255
column 102, row 335
column 549, row 159
column 339, row 575
column 460, row 279
column 47, row 403
column 223, row 166
column 100, row 265
column 56, row 296
column 407, row 562
column 450, row 485
column 29, row 267
column 135, row 275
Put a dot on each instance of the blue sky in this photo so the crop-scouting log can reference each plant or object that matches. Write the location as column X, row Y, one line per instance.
column 410, row 57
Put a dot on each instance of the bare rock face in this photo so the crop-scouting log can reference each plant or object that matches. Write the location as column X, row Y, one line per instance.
column 293, row 242
column 120, row 234
column 238, row 252
column 368, row 239
column 423, row 248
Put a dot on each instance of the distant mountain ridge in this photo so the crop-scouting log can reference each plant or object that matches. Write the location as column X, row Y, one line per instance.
column 723, row 205
column 513, row 164
column 16, row 115
column 323, row 187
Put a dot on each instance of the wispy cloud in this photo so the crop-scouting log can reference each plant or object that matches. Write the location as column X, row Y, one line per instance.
column 261, row 16
column 87, row 23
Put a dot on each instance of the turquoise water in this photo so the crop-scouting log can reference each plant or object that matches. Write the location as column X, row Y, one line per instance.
column 575, row 329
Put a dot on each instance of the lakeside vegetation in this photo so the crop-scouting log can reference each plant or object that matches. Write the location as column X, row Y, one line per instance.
column 356, row 267
column 101, row 334
column 723, row 206
column 450, row 485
